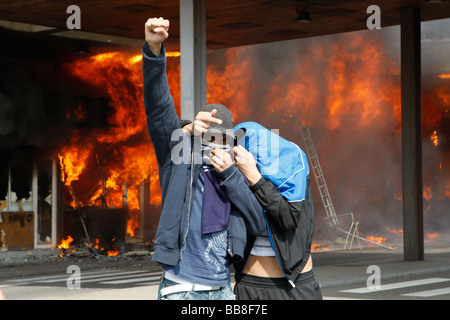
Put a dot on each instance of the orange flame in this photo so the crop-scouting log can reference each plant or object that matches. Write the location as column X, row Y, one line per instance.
column 427, row 194
column 444, row 76
column 97, row 245
column 132, row 159
column 72, row 160
column 398, row 232
column 434, row 138
column 113, row 253
column 365, row 96
column 65, row 243
column 379, row 240
column 433, row 236
column 447, row 190
column 318, row 247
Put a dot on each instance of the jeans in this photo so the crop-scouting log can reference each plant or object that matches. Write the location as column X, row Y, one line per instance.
column 225, row 293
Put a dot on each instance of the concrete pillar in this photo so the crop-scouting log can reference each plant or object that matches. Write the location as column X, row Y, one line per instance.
column 413, row 240
column 193, row 57
column 144, row 214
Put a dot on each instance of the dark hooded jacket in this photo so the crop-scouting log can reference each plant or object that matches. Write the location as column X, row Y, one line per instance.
column 284, row 191
column 178, row 178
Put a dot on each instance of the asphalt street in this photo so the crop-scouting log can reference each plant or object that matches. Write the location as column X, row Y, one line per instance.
column 368, row 274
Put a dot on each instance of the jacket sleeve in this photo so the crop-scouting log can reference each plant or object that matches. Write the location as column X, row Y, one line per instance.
column 162, row 119
column 242, row 198
column 279, row 210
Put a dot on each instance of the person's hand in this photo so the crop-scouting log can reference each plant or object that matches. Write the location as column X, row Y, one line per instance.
column 220, row 159
column 156, row 31
column 246, row 164
column 201, row 124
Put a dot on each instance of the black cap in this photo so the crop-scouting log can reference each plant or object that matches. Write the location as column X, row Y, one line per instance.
column 223, row 114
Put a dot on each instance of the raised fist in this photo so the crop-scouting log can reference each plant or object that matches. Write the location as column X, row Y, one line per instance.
column 156, row 31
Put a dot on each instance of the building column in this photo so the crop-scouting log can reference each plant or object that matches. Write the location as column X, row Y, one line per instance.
column 144, row 213
column 413, row 240
column 193, row 57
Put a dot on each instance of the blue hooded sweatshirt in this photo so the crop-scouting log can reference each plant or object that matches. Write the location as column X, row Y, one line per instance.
column 277, row 159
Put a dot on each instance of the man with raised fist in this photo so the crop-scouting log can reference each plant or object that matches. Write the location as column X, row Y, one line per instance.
column 207, row 207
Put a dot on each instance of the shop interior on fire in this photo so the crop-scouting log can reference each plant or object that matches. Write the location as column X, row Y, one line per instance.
column 76, row 162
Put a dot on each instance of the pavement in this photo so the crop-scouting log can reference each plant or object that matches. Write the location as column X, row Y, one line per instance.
column 342, row 267
column 332, row 267
column 34, row 262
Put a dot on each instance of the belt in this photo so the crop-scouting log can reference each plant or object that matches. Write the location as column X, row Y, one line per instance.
column 185, row 288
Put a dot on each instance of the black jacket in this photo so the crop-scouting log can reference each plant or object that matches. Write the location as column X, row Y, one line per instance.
column 290, row 228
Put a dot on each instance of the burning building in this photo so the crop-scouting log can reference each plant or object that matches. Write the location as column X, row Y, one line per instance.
column 89, row 166
column 346, row 89
column 76, row 160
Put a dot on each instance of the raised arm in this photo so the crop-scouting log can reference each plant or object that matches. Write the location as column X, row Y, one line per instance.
column 162, row 119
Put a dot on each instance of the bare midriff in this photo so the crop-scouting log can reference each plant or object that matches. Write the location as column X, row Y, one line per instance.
column 268, row 267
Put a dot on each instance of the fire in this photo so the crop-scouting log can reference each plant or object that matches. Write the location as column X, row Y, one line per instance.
column 427, row 194
column 173, row 54
column 121, row 76
column 444, row 76
column 359, row 90
column 111, row 184
column 433, row 236
column 434, row 138
column 429, row 236
column 65, row 243
column 348, row 93
column 97, row 245
column 72, row 160
column 347, row 90
column 379, row 240
column 133, row 223
column 122, row 154
column 398, row 232
column 135, row 59
column 113, row 253
column 318, row 247
column 232, row 86
column 447, row 191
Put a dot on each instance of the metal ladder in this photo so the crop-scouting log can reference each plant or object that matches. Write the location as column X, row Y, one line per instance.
column 323, row 189
column 316, row 168
column 318, row 174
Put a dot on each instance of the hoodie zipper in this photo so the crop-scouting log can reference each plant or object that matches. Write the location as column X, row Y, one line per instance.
column 229, row 242
column 189, row 206
column 276, row 256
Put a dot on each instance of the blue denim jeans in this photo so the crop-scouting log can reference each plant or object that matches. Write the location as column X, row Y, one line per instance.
column 225, row 293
